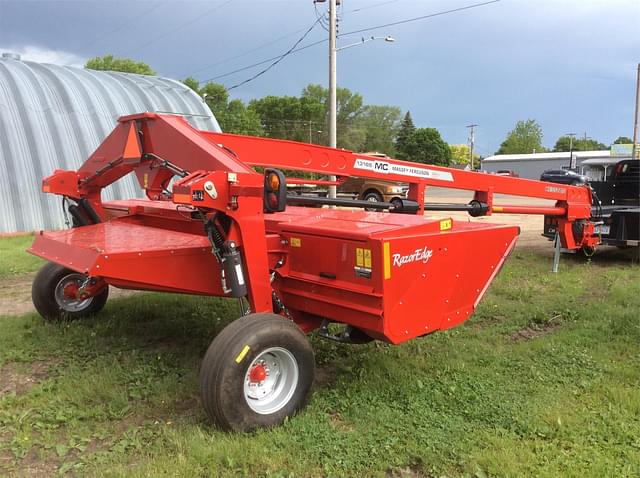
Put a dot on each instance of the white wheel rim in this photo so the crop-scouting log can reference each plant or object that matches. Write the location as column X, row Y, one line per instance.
column 372, row 198
column 67, row 304
column 271, row 380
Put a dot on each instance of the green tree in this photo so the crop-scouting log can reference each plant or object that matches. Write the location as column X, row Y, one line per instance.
column 126, row 65
column 623, row 140
column 406, row 128
column 233, row 116
column 565, row 144
column 350, row 108
column 425, row 145
column 460, row 154
column 525, row 138
column 380, row 124
column 290, row 117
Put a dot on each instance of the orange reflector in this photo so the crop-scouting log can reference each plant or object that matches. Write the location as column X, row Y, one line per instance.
column 132, row 146
column 272, row 201
column 273, row 182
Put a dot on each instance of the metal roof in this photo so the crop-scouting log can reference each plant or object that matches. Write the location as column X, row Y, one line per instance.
column 554, row 155
column 54, row 117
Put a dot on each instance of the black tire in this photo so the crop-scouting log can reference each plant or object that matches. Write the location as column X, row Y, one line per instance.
column 43, row 295
column 226, row 367
column 373, row 196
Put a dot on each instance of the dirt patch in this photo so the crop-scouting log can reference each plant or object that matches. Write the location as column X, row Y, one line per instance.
column 530, row 333
column 324, row 377
column 19, row 378
column 35, row 466
column 337, row 423
column 6, row 460
column 408, row 472
column 15, row 295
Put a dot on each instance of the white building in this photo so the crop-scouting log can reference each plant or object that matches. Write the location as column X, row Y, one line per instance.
column 531, row 166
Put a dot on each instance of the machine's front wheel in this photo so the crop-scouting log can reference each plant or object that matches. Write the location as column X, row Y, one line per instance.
column 257, row 372
column 53, row 294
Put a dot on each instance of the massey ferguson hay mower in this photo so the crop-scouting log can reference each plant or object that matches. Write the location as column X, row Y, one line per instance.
column 214, row 226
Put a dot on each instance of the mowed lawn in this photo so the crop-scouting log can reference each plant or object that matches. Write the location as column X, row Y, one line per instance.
column 543, row 381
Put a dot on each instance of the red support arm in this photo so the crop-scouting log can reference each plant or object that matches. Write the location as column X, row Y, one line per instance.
column 573, row 201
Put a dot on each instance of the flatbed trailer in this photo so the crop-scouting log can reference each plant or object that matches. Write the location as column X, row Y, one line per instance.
column 212, row 225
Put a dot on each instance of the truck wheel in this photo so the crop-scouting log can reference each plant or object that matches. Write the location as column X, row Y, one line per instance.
column 257, row 372
column 372, row 196
column 51, row 298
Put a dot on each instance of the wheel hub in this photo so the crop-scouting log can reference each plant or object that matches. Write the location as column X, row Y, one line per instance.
column 70, row 291
column 271, row 380
column 258, row 374
column 68, row 296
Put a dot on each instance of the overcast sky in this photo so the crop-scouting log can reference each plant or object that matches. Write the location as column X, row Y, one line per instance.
column 569, row 64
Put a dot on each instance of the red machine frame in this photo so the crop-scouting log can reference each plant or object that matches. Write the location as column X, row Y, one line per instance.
column 158, row 147
column 385, row 276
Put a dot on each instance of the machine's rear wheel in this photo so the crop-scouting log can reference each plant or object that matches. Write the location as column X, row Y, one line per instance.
column 257, row 372
column 52, row 294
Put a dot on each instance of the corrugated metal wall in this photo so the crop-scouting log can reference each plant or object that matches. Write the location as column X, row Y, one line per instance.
column 54, row 117
column 528, row 169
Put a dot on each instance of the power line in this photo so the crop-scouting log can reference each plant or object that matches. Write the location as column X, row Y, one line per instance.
column 371, row 6
column 231, row 58
column 185, row 24
column 228, row 59
column 282, row 57
column 320, row 16
column 295, row 50
column 423, row 17
column 262, row 62
column 132, row 20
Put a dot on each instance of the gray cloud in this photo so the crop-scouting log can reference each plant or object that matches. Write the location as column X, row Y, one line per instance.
column 569, row 64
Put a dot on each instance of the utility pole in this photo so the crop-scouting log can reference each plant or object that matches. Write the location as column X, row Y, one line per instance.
column 472, row 142
column 571, row 136
column 634, row 149
column 333, row 104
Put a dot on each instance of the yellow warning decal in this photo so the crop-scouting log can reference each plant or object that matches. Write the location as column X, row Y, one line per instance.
column 498, row 208
column 296, row 242
column 242, row 354
column 387, row 260
column 145, row 180
column 446, row 224
column 367, row 258
column 359, row 257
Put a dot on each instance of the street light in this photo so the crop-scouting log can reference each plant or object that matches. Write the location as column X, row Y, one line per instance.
column 388, row 39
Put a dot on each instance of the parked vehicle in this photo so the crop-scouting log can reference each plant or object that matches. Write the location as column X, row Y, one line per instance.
column 507, row 172
column 563, row 176
column 373, row 190
column 616, row 208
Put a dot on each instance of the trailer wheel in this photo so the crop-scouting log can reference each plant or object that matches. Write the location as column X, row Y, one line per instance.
column 257, row 372
column 48, row 293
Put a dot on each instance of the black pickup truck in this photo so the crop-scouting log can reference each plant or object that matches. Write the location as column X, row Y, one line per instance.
column 617, row 215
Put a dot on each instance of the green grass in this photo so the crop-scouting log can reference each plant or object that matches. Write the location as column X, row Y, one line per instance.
column 544, row 381
column 14, row 260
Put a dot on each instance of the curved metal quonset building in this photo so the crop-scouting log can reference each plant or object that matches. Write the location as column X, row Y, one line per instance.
column 54, row 117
